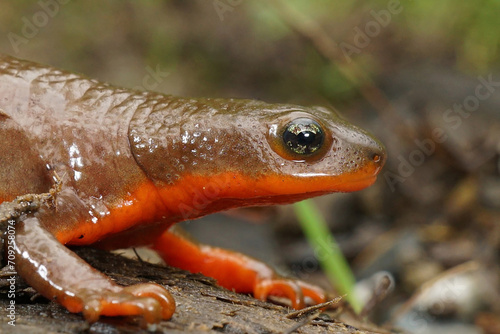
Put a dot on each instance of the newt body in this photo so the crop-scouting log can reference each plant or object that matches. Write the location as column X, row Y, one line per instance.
column 134, row 163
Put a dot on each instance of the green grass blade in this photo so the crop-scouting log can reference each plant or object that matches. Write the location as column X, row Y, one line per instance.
column 327, row 251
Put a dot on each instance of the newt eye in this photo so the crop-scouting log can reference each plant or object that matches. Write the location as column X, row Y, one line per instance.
column 303, row 136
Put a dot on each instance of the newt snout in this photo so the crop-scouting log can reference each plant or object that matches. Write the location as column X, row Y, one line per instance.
column 364, row 155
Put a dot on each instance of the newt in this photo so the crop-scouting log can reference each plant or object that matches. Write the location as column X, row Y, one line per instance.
column 132, row 164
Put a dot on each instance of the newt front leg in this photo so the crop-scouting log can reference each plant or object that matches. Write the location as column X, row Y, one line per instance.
column 60, row 275
column 232, row 270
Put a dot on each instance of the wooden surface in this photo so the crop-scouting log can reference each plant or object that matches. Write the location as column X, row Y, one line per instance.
column 201, row 306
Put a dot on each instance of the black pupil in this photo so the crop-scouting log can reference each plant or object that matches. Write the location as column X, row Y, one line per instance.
column 306, row 137
column 303, row 136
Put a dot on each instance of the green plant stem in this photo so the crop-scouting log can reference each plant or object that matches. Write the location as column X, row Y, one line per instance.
column 327, row 251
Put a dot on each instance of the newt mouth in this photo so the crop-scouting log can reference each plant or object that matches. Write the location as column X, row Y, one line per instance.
column 290, row 192
column 206, row 194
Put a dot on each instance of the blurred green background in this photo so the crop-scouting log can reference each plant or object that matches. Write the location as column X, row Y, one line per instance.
column 392, row 67
column 248, row 49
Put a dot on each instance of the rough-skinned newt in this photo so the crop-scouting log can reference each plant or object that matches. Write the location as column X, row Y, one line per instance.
column 134, row 163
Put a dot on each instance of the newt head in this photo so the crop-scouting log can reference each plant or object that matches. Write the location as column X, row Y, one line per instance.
column 322, row 153
column 241, row 152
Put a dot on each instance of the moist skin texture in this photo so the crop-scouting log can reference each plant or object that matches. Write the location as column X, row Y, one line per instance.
column 134, row 163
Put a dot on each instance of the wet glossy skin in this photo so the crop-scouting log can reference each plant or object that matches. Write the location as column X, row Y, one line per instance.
column 133, row 164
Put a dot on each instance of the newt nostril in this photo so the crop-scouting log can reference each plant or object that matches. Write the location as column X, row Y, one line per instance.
column 378, row 155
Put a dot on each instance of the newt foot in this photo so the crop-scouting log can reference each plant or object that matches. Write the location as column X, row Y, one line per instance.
column 150, row 300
